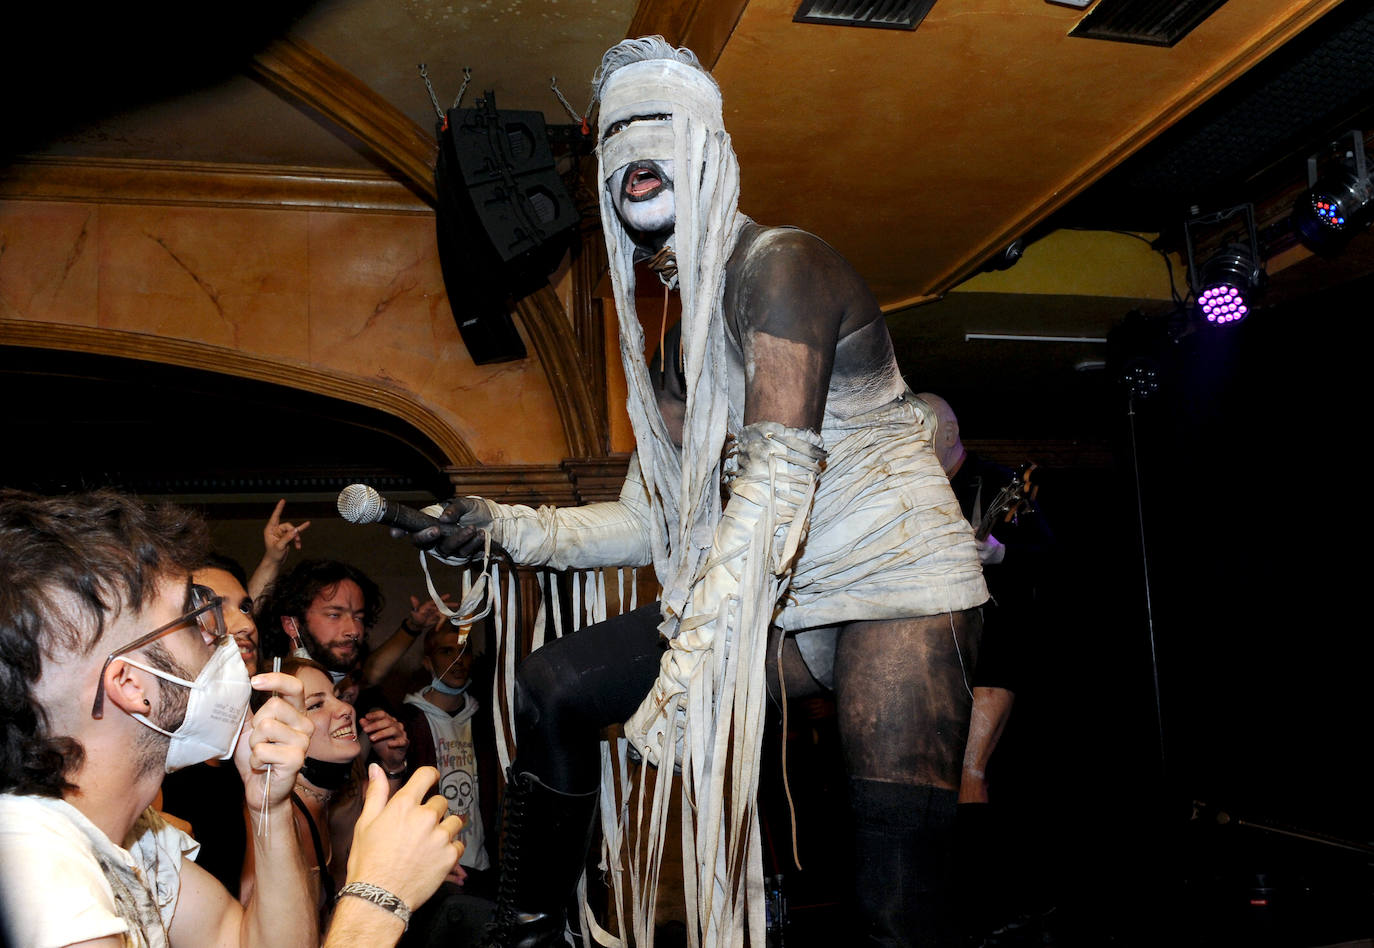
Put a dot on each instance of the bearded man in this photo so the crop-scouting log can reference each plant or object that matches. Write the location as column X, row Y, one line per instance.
column 840, row 528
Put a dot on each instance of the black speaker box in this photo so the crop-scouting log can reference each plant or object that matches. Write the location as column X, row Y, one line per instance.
column 503, row 222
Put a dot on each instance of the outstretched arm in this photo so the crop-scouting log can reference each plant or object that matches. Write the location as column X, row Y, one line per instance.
column 275, row 738
column 594, row 535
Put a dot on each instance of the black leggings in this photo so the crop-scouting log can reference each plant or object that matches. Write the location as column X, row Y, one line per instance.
column 574, row 686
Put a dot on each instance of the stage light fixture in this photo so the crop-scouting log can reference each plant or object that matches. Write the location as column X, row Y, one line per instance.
column 1335, row 206
column 1227, row 283
column 1225, row 287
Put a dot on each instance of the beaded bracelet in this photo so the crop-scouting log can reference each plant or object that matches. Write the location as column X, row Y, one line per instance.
column 381, row 898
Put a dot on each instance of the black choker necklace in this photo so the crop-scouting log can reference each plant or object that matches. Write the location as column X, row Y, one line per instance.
column 325, row 775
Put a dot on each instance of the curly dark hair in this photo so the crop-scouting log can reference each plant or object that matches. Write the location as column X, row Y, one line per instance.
column 292, row 594
column 68, row 566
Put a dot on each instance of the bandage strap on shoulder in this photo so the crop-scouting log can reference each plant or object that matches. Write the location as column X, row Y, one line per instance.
column 766, row 516
column 594, row 535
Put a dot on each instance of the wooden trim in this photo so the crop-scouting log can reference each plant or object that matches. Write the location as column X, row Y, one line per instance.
column 1208, row 83
column 199, row 355
column 570, row 482
column 588, row 314
column 531, row 484
column 298, row 72
column 703, row 26
column 206, row 184
column 597, row 479
column 549, row 331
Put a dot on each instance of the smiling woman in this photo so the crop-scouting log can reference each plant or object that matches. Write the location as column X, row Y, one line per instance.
column 328, row 768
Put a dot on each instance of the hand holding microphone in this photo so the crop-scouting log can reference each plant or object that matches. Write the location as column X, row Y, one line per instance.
column 457, row 532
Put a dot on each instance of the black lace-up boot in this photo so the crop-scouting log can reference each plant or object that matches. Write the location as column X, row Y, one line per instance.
column 544, row 838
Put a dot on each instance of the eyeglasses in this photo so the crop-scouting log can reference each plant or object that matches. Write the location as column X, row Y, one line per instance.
column 206, row 609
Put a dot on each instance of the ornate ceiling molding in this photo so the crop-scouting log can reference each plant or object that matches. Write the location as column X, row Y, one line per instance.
column 197, row 355
column 206, row 184
column 298, row 72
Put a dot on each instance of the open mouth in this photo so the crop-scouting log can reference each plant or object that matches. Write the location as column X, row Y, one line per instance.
column 345, row 733
column 643, row 181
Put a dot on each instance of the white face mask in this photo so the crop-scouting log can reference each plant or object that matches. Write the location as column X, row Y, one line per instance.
column 215, row 711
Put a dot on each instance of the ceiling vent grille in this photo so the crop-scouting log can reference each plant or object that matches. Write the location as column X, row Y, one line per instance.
column 882, row 14
column 1151, row 22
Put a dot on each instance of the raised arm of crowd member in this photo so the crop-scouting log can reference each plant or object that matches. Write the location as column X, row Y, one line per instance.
column 423, row 616
column 207, row 914
column 402, row 850
column 277, row 539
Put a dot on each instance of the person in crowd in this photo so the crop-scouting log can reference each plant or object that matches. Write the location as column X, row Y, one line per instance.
column 206, row 795
column 118, row 668
column 442, row 721
column 324, row 608
column 439, row 721
column 1016, row 554
column 328, row 769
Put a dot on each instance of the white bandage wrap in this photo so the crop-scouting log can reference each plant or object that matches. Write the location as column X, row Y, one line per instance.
column 755, row 547
column 682, row 483
column 706, row 709
column 595, row 535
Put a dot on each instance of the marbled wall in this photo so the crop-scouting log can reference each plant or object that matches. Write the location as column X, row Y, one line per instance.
column 352, row 295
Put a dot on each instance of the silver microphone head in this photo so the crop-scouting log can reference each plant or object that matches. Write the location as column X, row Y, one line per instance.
column 359, row 503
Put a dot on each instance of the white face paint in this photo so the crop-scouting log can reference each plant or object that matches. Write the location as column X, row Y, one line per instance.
column 642, row 192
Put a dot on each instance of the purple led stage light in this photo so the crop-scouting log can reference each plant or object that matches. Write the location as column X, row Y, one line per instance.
column 1223, row 304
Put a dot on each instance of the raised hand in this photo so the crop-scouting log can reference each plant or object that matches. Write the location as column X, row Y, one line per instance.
column 388, row 737
column 425, row 615
column 278, row 734
column 278, row 537
column 404, row 846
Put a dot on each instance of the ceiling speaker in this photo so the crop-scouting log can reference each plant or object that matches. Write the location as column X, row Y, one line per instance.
column 503, row 222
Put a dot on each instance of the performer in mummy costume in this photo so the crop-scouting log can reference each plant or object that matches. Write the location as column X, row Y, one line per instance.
column 839, row 526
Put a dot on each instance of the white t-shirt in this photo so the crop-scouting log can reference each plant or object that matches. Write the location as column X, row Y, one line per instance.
column 456, row 760
column 63, row 881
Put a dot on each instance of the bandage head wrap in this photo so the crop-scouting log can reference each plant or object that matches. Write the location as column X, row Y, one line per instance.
column 649, row 77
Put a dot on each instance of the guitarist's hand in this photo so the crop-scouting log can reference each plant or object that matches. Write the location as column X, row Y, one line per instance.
column 990, row 551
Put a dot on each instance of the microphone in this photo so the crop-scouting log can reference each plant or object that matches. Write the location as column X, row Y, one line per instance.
column 359, row 503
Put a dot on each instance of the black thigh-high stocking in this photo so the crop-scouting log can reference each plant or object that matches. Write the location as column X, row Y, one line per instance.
column 574, row 686
column 903, row 699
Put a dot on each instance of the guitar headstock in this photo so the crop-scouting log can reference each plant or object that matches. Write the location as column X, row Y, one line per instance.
column 1014, row 499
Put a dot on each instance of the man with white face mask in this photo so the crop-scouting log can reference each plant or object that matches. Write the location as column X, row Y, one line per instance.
column 780, row 389
column 117, row 668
